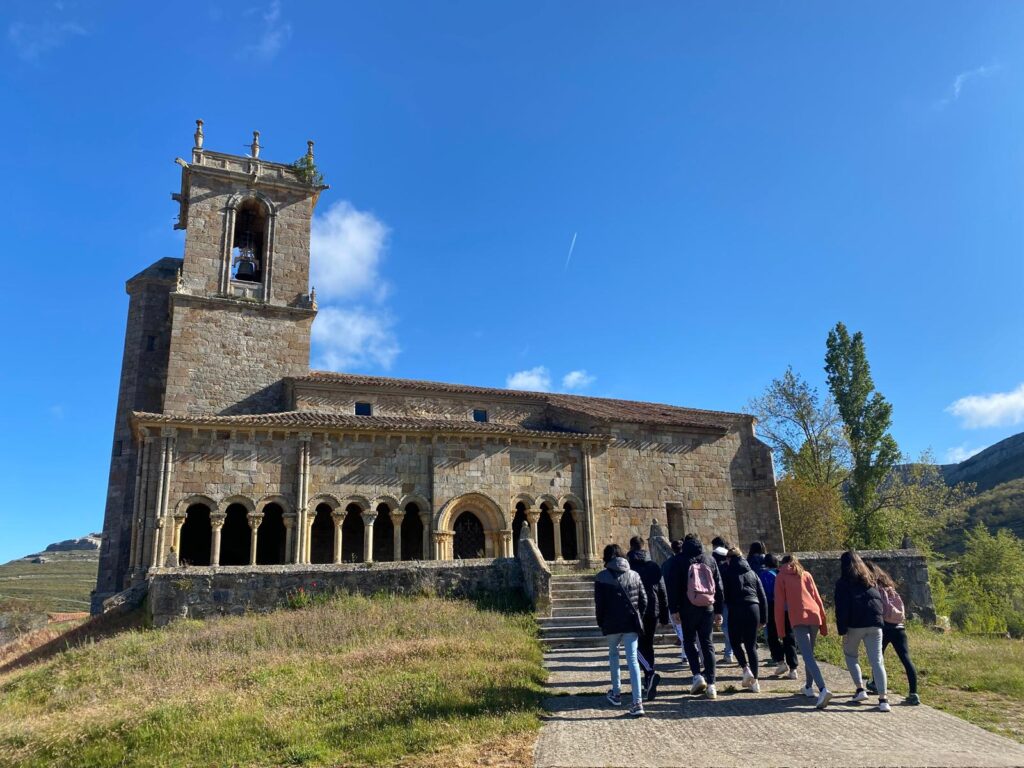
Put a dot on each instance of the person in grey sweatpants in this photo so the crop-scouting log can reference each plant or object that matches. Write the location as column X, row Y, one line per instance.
column 859, row 613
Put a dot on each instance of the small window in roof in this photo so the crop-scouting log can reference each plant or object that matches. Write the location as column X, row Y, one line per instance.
column 479, row 414
column 364, row 409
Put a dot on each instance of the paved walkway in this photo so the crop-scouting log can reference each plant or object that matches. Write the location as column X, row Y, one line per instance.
column 746, row 730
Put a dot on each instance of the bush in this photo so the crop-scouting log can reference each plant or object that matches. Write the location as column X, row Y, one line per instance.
column 986, row 595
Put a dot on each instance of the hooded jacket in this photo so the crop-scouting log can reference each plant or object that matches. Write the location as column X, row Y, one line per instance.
column 693, row 552
column 654, row 584
column 796, row 594
column 857, row 606
column 743, row 587
column 756, row 562
column 619, row 595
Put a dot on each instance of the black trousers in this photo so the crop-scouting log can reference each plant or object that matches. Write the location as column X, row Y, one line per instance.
column 697, row 626
column 645, row 644
column 897, row 638
column 781, row 647
column 743, row 621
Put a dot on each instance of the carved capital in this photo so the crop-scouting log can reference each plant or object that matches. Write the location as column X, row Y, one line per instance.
column 556, row 516
column 397, row 516
column 338, row 516
column 289, row 518
column 369, row 518
column 532, row 515
column 217, row 519
column 254, row 518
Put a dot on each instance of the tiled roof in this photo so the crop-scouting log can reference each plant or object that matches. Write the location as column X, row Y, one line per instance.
column 604, row 409
column 320, row 419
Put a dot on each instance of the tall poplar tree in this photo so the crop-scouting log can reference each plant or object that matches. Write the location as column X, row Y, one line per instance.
column 866, row 417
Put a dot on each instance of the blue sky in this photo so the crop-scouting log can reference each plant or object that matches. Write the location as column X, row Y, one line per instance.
column 737, row 178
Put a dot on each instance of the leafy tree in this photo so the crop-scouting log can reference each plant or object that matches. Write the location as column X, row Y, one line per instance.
column 867, row 417
column 813, row 515
column 987, row 592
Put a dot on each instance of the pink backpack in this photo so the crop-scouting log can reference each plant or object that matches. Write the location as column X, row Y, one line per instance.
column 700, row 585
column 893, row 611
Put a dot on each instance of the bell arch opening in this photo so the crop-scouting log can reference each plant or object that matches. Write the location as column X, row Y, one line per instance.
column 249, row 242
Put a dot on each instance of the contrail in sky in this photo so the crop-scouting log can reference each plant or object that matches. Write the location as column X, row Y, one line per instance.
column 571, row 246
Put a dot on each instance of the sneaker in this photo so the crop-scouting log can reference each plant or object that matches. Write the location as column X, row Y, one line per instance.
column 808, row 691
column 614, row 698
column 782, row 669
column 859, row 696
column 883, row 706
column 711, row 693
column 636, row 710
column 698, row 686
column 871, row 687
column 823, row 699
column 651, row 688
column 748, row 678
column 755, row 687
column 913, row 700
column 791, row 675
column 727, row 658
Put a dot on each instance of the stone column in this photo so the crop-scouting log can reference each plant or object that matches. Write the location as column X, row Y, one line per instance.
column 425, row 521
column 216, row 523
column 179, row 521
column 289, row 536
column 158, row 557
column 506, row 543
column 338, row 516
column 369, row 518
column 532, row 517
column 397, row 516
column 302, row 499
column 556, row 519
column 254, row 518
column 442, row 541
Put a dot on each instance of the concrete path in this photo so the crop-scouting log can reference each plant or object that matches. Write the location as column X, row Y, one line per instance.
column 745, row 730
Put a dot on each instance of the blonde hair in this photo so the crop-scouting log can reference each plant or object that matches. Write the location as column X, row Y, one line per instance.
column 793, row 560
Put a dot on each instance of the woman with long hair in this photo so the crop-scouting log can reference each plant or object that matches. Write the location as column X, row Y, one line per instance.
column 859, row 620
column 798, row 605
column 894, row 631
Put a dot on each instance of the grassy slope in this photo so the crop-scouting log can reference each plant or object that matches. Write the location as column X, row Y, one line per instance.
column 978, row 679
column 355, row 682
column 61, row 584
column 1000, row 507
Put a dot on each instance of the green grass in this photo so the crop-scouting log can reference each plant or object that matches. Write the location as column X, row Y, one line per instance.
column 354, row 681
column 62, row 584
column 980, row 679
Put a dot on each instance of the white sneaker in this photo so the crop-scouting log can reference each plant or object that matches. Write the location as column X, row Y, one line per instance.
column 823, row 699
column 791, row 675
column 727, row 658
column 781, row 669
column 711, row 693
column 748, row 678
column 755, row 687
column 883, row 706
column 859, row 696
column 698, row 686
column 809, row 692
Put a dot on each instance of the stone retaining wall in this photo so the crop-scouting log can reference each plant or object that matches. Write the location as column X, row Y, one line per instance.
column 202, row 592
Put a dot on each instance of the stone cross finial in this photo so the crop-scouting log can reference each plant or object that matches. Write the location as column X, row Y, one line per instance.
column 199, row 134
column 312, row 298
column 255, row 146
column 309, row 149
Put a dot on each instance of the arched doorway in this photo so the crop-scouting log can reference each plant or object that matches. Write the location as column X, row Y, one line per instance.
column 469, row 537
column 196, row 535
column 234, row 536
column 352, row 535
column 412, row 533
column 383, row 535
column 546, row 533
column 517, row 527
column 271, row 536
column 567, row 528
column 321, row 542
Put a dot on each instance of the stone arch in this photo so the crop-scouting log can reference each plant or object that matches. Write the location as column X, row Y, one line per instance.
column 275, row 498
column 196, row 533
column 352, row 532
column 322, row 529
column 422, row 505
column 196, row 498
column 522, row 498
column 487, row 513
column 384, row 528
column 547, row 498
column 360, row 501
column 323, row 498
column 571, row 499
column 518, row 521
column 571, row 525
column 245, row 501
column 272, row 536
column 238, row 198
column 391, row 501
column 235, row 538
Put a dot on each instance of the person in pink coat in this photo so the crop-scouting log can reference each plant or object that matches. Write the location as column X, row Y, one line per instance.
column 798, row 606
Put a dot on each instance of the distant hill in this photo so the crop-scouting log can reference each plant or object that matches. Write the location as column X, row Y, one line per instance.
column 997, row 464
column 58, row 579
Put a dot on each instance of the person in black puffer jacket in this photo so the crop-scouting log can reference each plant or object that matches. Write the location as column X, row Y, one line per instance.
column 657, row 610
column 697, row 621
column 619, row 601
column 748, row 611
column 668, row 575
column 859, row 619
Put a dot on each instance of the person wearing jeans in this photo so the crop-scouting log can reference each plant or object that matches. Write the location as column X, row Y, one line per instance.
column 620, row 601
column 859, row 614
column 798, row 602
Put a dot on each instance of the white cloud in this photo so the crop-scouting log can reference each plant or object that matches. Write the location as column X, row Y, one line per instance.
column 346, row 248
column 577, row 380
column 353, row 338
column 962, row 79
column 535, row 379
column 999, row 409
column 30, row 41
column 274, row 35
column 961, row 453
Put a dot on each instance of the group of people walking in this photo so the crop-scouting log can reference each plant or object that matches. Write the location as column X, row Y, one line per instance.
column 697, row 592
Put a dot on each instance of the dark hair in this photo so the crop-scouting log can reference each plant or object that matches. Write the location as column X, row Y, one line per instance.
column 636, row 543
column 852, row 568
column 612, row 551
column 718, row 541
column 882, row 577
column 757, row 548
column 793, row 560
column 691, row 537
column 677, row 546
column 771, row 561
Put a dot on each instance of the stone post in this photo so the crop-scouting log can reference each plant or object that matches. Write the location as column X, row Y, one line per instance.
column 289, row 536
column 556, row 519
column 338, row 516
column 179, row 521
column 425, row 521
column 255, row 519
column 369, row 518
column 397, row 517
column 532, row 517
column 216, row 523
column 442, row 542
column 506, row 543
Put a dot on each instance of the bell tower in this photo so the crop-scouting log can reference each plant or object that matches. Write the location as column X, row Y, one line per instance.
column 241, row 311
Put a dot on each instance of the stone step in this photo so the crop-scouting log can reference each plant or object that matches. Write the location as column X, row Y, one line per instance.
column 573, row 602
column 572, row 591
column 558, row 611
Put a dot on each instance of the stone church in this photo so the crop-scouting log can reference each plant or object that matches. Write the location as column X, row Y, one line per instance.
column 228, row 450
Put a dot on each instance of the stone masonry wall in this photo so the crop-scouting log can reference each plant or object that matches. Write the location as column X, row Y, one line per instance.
column 199, row 593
